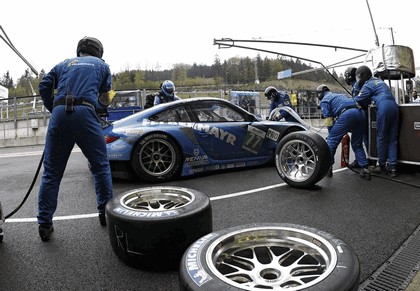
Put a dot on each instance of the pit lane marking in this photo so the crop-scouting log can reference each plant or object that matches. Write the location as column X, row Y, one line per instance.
column 27, row 154
column 225, row 196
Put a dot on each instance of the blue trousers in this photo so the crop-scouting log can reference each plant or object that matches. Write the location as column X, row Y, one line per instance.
column 354, row 121
column 81, row 127
column 387, row 117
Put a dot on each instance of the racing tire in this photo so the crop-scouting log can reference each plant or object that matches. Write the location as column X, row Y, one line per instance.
column 150, row 228
column 269, row 257
column 156, row 158
column 302, row 159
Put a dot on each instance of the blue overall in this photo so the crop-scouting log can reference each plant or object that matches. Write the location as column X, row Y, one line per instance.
column 354, row 92
column 283, row 99
column 348, row 119
column 162, row 98
column 83, row 77
column 387, row 118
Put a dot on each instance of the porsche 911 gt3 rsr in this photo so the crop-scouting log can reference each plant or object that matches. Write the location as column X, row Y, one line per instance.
column 198, row 135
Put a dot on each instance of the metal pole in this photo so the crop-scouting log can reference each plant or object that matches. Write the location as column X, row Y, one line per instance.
column 373, row 24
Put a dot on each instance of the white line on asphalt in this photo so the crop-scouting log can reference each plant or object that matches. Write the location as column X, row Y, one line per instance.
column 27, row 154
column 226, row 196
column 67, row 217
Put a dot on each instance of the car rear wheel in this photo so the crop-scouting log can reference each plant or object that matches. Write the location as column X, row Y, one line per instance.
column 302, row 159
column 269, row 257
column 156, row 158
column 151, row 227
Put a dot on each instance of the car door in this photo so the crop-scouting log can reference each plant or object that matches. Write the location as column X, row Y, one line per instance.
column 221, row 131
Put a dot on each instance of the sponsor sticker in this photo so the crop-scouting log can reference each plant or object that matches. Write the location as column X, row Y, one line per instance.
column 193, row 262
column 273, row 134
column 149, row 214
column 253, row 139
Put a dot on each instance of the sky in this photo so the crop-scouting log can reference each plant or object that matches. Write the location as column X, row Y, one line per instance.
column 157, row 34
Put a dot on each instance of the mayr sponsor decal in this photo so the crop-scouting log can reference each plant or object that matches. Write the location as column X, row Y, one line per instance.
column 215, row 131
column 193, row 263
column 151, row 214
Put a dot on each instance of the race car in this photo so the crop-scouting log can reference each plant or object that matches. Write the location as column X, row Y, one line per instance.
column 199, row 135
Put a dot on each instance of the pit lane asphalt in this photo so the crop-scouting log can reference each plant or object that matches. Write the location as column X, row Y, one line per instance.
column 374, row 217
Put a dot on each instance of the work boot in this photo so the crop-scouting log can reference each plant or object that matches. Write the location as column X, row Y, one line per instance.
column 372, row 163
column 354, row 165
column 45, row 231
column 102, row 219
column 330, row 172
column 380, row 170
column 392, row 171
column 365, row 174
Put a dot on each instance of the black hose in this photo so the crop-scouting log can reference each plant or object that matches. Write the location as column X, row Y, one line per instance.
column 379, row 175
column 29, row 190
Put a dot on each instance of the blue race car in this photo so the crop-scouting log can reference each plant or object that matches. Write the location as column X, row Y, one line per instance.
column 199, row 135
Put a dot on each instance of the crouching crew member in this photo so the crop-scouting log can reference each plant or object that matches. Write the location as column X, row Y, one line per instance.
column 278, row 99
column 81, row 82
column 343, row 115
column 166, row 93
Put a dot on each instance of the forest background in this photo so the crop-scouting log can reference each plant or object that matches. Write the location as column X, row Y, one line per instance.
column 233, row 74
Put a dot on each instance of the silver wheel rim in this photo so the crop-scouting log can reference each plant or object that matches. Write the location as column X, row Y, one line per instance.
column 273, row 258
column 297, row 161
column 157, row 157
column 157, row 198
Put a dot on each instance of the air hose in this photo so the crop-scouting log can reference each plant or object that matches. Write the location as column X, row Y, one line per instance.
column 383, row 176
column 29, row 190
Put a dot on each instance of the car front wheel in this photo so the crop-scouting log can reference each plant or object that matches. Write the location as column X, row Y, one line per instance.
column 302, row 158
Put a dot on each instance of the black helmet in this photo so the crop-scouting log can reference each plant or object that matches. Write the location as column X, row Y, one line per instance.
column 350, row 75
column 90, row 46
column 320, row 91
column 270, row 92
column 363, row 73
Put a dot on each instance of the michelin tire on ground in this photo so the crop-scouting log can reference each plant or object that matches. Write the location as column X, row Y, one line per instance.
column 269, row 257
column 302, row 159
column 151, row 227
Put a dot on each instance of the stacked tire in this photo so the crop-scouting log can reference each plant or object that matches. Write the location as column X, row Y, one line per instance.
column 150, row 228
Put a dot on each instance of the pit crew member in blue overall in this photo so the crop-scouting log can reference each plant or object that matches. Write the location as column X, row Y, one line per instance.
column 343, row 115
column 278, row 99
column 166, row 93
column 350, row 78
column 81, row 82
column 387, row 118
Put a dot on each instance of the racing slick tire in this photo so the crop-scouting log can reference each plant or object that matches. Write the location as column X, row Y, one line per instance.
column 151, row 227
column 156, row 158
column 302, row 159
column 267, row 256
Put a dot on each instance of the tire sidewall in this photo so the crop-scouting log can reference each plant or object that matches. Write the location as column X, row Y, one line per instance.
column 135, row 161
column 322, row 157
column 195, row 274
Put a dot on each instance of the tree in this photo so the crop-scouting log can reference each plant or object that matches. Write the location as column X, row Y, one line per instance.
column 7, row 81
